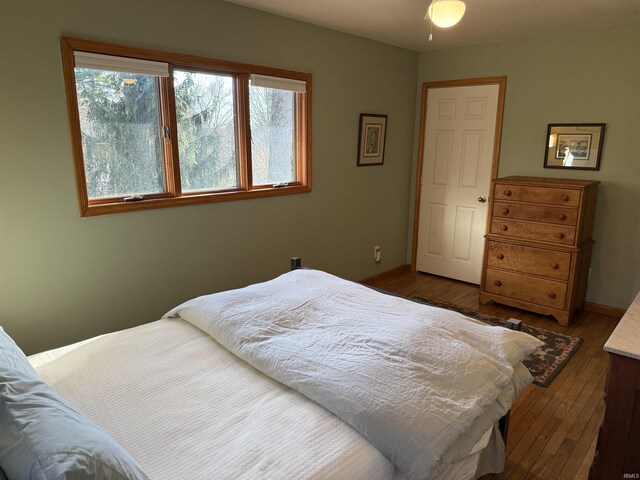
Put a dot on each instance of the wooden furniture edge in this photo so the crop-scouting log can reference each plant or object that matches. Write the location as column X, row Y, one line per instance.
column 567, row 182
column 619, row 425
column 560, row 315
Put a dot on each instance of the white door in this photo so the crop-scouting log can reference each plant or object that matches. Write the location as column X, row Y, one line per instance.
column 457, row 160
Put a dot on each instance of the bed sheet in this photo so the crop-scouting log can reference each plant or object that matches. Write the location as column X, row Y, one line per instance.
column 185, row 407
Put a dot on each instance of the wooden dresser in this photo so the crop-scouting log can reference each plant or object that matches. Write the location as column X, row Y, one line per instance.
column 618, row 448
column 538, row 248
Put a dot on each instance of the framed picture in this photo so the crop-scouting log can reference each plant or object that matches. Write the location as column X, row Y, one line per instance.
column 371, row 140
column 577, row 146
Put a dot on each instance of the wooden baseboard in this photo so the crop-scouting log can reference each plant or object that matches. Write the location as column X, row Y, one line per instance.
column 385, row 275
column 604, row 309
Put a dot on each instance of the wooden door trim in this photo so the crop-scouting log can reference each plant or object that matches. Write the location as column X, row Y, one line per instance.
column 469, row 82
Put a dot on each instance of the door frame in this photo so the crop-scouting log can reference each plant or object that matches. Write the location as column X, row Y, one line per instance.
column 501, row 81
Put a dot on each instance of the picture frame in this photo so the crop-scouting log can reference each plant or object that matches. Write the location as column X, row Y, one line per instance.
column 575, row 146
column 372, row 139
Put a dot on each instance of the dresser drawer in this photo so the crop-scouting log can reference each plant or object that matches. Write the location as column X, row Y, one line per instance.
column 536, row 213
column 534, row 231
column 548, row 293
column 534, row 194
column 537, row 261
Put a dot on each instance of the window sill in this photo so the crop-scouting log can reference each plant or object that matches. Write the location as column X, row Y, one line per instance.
column 193, row 199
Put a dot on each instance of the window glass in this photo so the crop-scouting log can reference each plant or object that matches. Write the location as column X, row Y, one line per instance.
column 206, row 131
column 121, row 138
column 157, row 129
column 272, row 118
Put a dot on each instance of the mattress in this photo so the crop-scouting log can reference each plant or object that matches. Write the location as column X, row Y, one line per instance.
column 185, row 407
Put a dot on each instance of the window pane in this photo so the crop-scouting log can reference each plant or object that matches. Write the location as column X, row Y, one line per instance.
column 206, row 131
column 120, row 125
column 273, row 152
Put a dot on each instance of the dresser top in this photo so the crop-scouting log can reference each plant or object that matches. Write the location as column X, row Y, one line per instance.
column 556, row 182
column 625, row 339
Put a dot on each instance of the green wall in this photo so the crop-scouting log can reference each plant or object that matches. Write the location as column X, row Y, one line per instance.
column 64, row 278
column 585, row 77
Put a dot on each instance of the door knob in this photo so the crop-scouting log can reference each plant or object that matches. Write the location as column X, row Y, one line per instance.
column 482, row 199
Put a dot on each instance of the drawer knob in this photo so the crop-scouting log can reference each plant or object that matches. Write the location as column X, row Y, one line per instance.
column 505, row 211
column 555, row 266
column 497, row 283
column 565, row 198
column 562, row 216
column 504, row 228
column 552, row 295
column 507, row 193
column 500, row 256
column 560, row 235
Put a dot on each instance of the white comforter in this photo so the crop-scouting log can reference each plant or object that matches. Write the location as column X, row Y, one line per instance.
column 413, row 379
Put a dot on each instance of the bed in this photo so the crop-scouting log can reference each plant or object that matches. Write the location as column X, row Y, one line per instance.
column 304, row 376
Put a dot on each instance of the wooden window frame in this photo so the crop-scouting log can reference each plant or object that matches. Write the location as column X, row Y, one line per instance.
column 174, row 195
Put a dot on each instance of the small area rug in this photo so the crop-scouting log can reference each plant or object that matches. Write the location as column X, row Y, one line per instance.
column 546, row 362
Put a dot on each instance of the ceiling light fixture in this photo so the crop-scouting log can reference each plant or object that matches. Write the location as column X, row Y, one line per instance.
column 444, row 13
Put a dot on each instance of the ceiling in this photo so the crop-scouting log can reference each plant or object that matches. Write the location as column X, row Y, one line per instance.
column 401, row 22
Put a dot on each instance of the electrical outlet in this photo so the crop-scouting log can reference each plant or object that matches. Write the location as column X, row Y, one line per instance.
column 377, row 254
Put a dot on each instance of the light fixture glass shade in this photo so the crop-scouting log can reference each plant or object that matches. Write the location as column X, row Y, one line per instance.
column 446, row 13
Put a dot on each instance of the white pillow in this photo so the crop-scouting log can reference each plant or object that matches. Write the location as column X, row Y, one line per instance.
column 44, row 436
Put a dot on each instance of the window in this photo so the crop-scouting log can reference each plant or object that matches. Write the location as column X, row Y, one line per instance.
column 153, row 129
column 273, row 134
column 206, row 120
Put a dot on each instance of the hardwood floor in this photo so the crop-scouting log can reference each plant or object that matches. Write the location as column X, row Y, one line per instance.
column 553, row 430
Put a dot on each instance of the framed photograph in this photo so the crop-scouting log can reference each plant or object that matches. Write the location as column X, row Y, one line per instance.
column 371, row 140
column 577, row 146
